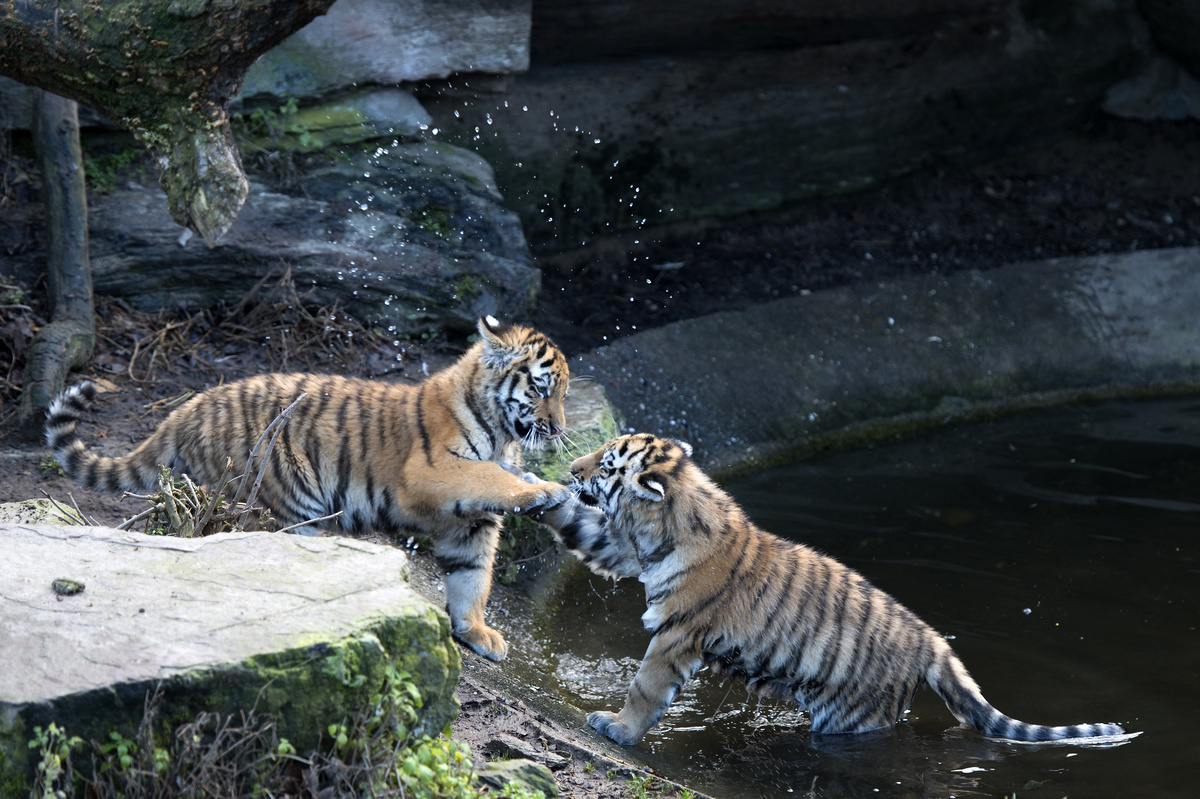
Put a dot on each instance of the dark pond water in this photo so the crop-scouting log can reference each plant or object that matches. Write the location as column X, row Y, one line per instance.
column 1059, row 550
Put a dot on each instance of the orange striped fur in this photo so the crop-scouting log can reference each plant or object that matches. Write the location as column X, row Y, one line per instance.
column 777, row 615
column 440, row 458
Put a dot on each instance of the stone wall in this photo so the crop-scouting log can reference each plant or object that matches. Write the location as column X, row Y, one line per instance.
column 633, row 114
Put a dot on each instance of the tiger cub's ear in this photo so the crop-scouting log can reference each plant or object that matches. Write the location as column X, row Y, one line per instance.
column 683, row 445
column 498, row 353
column 650, row 487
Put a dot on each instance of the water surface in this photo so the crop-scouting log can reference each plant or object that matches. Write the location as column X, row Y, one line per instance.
column 1058, row 551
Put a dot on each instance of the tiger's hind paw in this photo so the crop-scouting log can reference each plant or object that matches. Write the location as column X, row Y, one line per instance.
column 606, row 723
column 484, row 641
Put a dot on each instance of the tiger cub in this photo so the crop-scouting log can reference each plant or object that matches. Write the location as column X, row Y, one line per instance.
column 439, row 458
column 785, row 619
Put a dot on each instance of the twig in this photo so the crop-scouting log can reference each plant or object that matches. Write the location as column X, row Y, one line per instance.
column 137, row 345
column 91, row 522
column 278, row 423
column 216, row 496
column 310, row 521
column 65, row 511
column 125, row 525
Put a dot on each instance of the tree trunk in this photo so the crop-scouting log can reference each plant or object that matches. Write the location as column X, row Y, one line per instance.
column 66, row 342
column 166, row 71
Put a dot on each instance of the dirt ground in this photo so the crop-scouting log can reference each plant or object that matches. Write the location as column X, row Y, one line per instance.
column 1114, row 187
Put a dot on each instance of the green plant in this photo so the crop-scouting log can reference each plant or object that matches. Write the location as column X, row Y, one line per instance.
column 49, row 465
column 54, row 772
column 519, row 790
column 121, row 747
column 641, row 785
column 277, row 123
column 104, row 170
column 11, row 295
column 374, row 753
column 436, row 768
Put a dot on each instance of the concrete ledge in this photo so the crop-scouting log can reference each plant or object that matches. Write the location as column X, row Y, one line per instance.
column 297, row 627
column 746, row 387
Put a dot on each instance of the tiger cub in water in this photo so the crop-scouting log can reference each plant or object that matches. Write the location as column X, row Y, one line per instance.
column 785, row 619
column 439, row 458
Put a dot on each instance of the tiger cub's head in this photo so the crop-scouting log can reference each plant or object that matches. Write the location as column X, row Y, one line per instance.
column 629, row 470
column 527, row 379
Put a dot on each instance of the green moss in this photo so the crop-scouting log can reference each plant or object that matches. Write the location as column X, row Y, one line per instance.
column 436, row 220
column 104, row 170
column 15, row 767
column 376, row 747
column 467, row 287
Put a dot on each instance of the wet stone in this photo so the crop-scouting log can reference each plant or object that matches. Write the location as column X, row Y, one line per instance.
column 506, row 745
column 526, row 772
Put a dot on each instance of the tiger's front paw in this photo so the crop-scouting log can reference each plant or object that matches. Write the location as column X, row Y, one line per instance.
column 484, row 641
column 545, row 496
column 606, row 723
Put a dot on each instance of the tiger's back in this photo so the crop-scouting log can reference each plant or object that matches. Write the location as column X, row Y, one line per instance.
column 438, row 458
column 777, row 615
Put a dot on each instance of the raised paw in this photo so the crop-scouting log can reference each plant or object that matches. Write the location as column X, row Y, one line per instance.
column 547, row 495
column 606, row 723
column 484, row 641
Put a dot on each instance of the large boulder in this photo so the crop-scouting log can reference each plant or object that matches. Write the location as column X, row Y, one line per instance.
column 382, row 42
column 1175, row 25
column 635, row 114
column 410, row 236
column 860, row 362
column 296, row 627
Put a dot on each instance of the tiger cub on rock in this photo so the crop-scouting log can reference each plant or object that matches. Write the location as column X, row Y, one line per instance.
column 440, row 458
column 785, row 619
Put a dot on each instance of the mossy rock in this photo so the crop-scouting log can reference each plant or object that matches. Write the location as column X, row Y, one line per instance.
column 300, row 629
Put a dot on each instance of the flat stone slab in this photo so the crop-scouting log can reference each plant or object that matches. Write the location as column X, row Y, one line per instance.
column 748, row 386
column 298, row 627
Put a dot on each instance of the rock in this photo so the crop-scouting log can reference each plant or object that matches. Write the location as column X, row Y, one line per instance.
column 506, row 745
column 671, row 110
column 864, row 361
column 1162, row 90
column 591, row 422
column 348, row 119
column 1175, row 25
column 36, row 511
column 382, row 42
column 411, row 237
column 16, row 108
column 296, row 627
column 532, row 775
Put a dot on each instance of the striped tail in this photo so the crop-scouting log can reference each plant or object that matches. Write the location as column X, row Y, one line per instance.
column 85, row 467
column 949, row 679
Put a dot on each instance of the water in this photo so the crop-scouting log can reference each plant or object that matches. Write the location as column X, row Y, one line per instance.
column 1058, row 549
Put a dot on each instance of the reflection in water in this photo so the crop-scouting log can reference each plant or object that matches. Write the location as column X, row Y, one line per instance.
column 1058, row 551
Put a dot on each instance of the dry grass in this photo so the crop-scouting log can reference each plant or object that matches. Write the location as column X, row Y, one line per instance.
column 373, row 753
column 182, row 508
column 274, row 324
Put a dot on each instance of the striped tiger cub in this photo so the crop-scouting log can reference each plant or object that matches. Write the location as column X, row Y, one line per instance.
column 440, row 458
column 785, row 619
